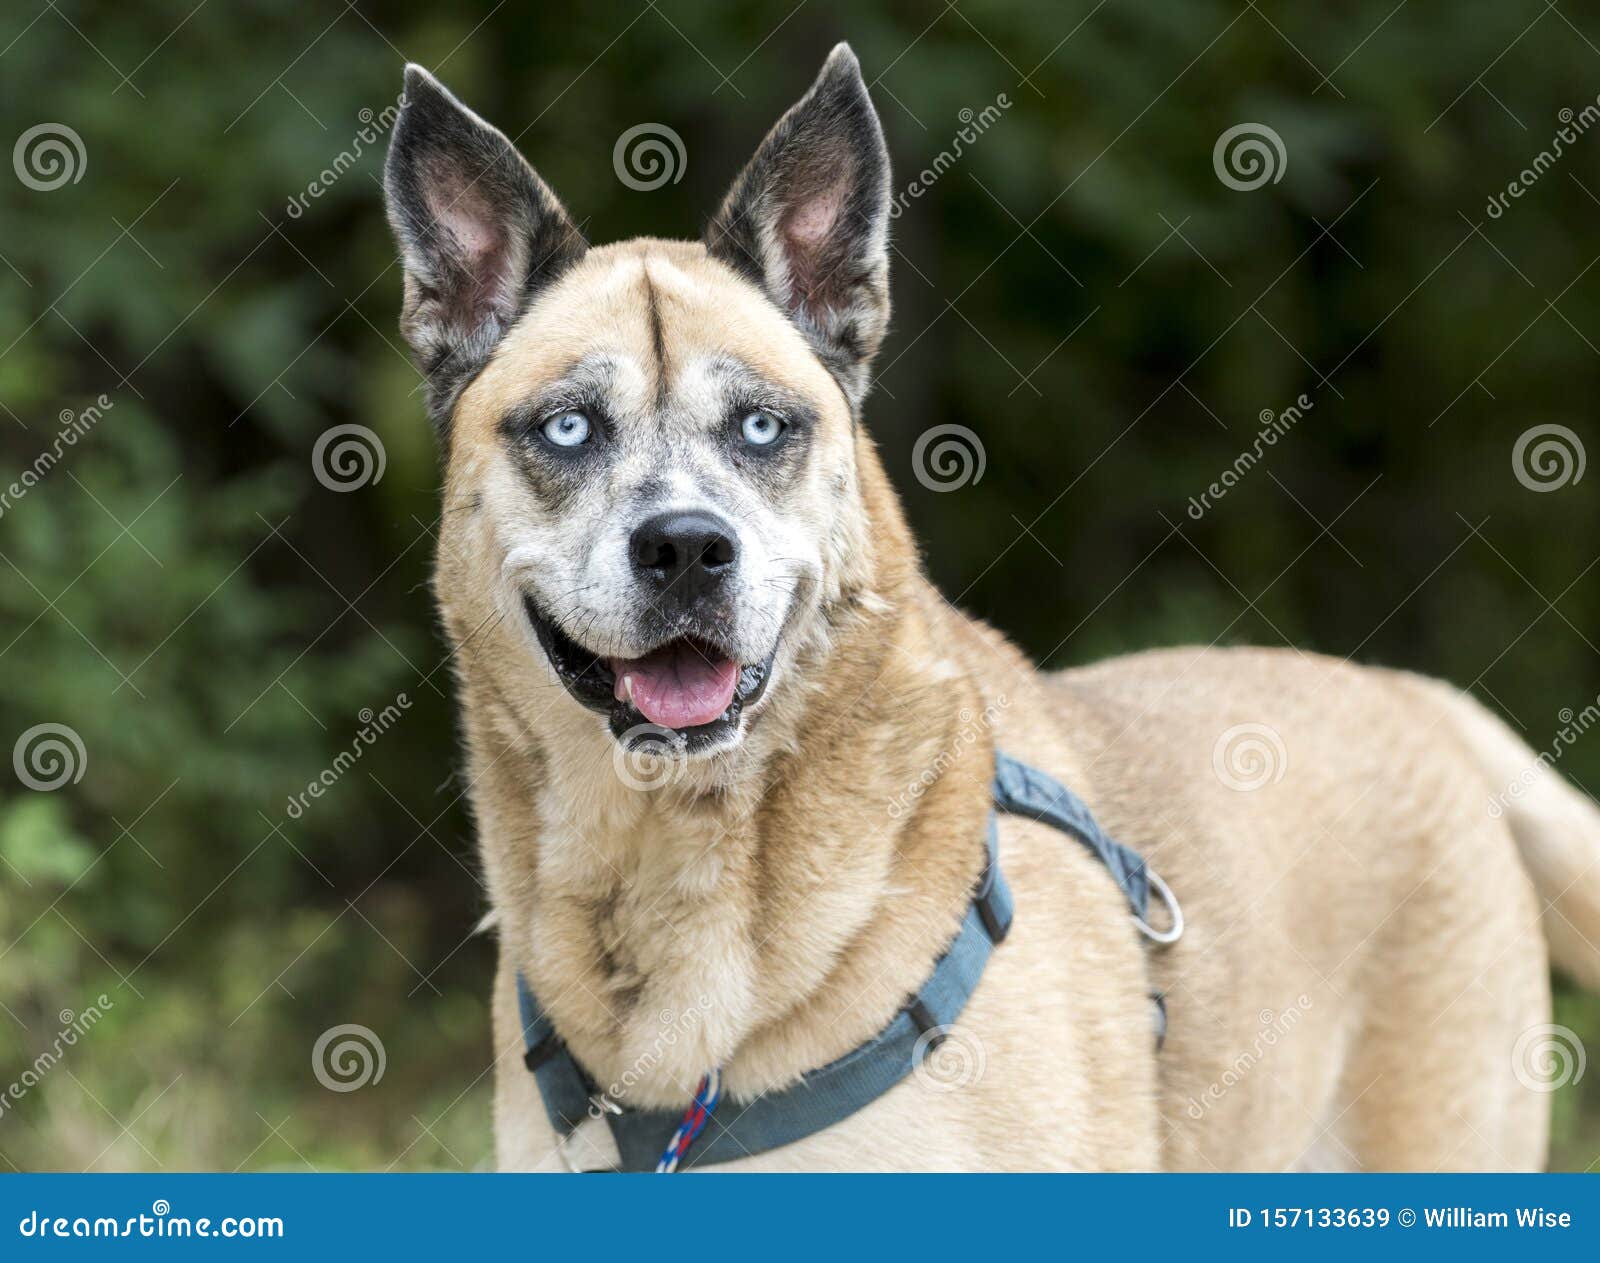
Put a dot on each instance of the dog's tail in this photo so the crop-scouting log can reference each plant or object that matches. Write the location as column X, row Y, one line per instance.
column 1557, row 830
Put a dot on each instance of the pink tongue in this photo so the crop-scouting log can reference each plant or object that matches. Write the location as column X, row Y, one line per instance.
column 680, row 685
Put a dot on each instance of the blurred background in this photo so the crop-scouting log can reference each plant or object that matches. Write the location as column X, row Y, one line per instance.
column 197, row 285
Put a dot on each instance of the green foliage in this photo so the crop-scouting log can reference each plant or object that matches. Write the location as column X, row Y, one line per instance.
column 212, row 621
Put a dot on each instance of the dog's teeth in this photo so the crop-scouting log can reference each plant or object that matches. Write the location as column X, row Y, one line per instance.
column 627, row 687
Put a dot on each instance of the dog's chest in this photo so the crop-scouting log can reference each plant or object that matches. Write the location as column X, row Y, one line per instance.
column 641, row 934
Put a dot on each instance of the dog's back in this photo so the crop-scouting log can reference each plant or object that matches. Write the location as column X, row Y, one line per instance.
column 1363, row 980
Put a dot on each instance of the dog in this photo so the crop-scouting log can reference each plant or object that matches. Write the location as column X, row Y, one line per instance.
column 730, row 754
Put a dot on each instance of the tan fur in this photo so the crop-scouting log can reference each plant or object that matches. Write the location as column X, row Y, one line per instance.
column 792, row 894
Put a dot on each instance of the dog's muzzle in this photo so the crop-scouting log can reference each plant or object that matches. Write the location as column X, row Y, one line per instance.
column 688, row 693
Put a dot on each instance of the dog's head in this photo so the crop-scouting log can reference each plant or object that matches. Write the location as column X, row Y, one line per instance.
column 651, row 445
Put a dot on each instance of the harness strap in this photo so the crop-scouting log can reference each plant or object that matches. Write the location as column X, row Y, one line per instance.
column 1024, row 791
column 821, row 1098
column 646, row 1138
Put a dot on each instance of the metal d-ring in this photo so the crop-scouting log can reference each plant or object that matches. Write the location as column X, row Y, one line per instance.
column 1164, row 892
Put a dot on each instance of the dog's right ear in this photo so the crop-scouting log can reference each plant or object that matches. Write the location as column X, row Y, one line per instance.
column 479, row 232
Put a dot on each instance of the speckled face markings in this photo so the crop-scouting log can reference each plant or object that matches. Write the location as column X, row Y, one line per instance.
column 659, row 437
column 651, row 380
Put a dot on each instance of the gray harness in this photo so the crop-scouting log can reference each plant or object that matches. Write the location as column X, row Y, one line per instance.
column 826, row 1096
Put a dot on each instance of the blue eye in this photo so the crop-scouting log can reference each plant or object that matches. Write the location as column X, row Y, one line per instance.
column 761, row 429
column 566, row 429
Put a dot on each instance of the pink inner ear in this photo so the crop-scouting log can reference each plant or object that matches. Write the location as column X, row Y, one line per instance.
column 466, row 215
column 814, row 218
column 475, row 252
column 477, row 239
column 469, row 223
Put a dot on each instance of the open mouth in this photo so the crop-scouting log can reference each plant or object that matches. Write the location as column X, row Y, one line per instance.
column 687, row 686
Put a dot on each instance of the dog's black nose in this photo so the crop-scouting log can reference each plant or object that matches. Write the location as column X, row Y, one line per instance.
column 685, row 554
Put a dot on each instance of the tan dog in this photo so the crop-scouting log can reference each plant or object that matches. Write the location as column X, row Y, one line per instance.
column 730, row 752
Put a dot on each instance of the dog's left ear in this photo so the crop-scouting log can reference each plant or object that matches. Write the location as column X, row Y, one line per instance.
column 808, row 221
